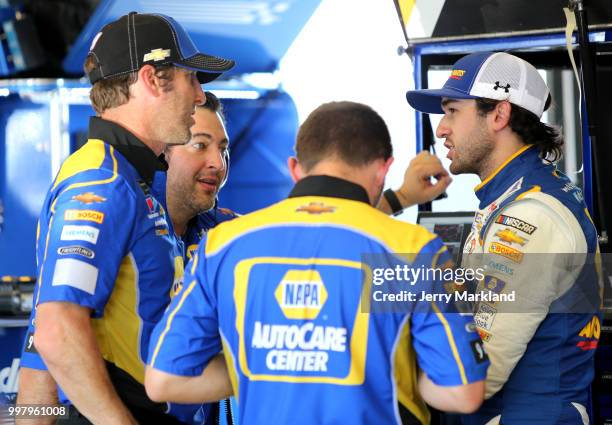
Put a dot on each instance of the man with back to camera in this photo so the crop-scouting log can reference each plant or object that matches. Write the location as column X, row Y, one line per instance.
column 317, row 236
column 106, row 257
column 541, row 363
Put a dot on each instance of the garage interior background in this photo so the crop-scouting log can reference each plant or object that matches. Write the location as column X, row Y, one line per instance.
column 291, row 56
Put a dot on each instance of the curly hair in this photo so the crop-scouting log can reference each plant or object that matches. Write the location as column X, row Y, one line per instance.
column 546, row 138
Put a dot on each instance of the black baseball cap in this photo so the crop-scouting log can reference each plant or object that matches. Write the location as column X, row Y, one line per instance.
column 138, row 39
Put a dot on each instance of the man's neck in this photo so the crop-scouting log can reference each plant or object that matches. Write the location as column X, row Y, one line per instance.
column 504, row 150
column 121, row 115
column 179, row 221
column 363, row 176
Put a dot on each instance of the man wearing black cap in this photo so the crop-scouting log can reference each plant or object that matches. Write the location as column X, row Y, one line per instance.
column 530, row 219
column 106, row 257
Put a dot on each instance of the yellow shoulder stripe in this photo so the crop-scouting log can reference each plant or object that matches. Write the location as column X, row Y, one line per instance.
column 231, row 368
column 534, row 189
column 586, row 211
column 451, row 342
column 170, row 318
column 501, row 167
column 91, row 156
column 355, row 216
column 405, row 374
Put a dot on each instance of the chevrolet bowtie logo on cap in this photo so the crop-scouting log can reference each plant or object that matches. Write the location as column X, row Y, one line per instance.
column 156, row 55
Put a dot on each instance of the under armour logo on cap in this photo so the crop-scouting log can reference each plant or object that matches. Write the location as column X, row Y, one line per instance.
column 498, row 86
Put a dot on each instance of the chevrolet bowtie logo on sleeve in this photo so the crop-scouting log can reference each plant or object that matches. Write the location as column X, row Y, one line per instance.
column 88, row 198
column 156, row 55
column 301, row 294
column 316, row 208
column 510, row 237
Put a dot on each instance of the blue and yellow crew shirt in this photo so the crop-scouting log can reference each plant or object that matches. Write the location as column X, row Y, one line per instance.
column 197, row 227
column 281, row 291
column 103, row 242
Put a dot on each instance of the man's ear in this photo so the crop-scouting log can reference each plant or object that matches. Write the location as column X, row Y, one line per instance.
column 150, row 82
column 381, row 173
column 501, row 115
column 295, row 169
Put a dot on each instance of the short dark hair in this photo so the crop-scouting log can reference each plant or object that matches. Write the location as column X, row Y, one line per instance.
column 349, row 131
column 213, row 104
column 546, row 138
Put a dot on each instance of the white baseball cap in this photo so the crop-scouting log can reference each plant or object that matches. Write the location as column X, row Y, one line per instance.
column 498, row 76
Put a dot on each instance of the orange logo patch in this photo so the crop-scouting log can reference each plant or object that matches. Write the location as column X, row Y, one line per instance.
column 88, row 198
column 506, row 251
column 316, row 208
column 456, row 74
column 84, row 215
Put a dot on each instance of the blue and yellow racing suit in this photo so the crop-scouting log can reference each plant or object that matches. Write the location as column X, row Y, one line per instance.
column 534, row 235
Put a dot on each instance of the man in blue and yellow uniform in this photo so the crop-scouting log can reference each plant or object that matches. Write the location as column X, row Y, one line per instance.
column 533, row 233
column 106, row 255
column 282, row 291
column 206, row 157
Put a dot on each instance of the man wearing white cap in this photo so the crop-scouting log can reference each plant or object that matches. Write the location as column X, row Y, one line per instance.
column 529, row 213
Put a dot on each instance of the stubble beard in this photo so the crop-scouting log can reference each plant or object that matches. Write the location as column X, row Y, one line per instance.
column 174, row 125
column 185, row 199
column 474, row 154
column 179, row 133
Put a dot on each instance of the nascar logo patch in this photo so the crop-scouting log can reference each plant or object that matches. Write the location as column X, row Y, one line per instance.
column 516, row 223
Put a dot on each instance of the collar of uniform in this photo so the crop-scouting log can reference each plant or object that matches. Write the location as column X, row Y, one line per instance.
column 523, row 161
column 329, row 186
column 136, row 152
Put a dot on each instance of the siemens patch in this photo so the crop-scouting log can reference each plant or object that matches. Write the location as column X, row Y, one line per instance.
column 80, row 233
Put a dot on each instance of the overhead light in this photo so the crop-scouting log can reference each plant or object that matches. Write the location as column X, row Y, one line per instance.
column 236, row 94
